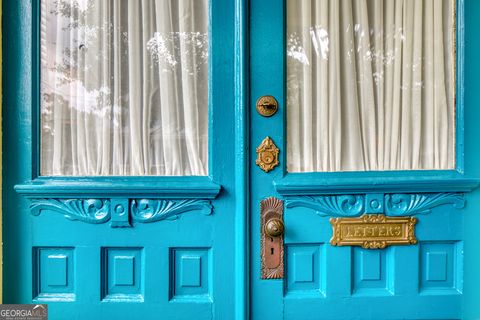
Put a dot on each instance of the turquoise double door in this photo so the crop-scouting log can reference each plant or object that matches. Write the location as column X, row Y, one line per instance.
column 190, row 247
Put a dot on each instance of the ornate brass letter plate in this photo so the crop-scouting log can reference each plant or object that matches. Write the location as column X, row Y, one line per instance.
column 271, row 233
column 373, row 231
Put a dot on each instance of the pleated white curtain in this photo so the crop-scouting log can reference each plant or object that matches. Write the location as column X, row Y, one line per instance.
column 124, row 87
column 370, row 85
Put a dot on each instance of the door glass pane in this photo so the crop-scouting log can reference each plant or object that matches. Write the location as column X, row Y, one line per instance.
column 124, row 87
column 370, row 85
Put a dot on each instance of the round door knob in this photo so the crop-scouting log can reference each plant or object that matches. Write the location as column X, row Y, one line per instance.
column 274, row 227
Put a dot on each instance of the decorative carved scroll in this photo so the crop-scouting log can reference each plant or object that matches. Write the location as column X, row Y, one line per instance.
column 148, row 210
column 331, row 205
column 86, row 210
column 422, row 203
column 394, row 204
column 99, row 211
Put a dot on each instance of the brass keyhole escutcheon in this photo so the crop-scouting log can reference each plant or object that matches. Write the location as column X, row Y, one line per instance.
column 267, row 106
column 267, row 155
column 274, row 227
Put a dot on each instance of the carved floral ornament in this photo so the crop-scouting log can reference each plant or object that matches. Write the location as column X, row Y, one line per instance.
column 390, row 204
column 97, row 211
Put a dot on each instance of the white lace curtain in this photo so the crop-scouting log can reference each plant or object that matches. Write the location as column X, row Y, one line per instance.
column 124, row 87
column 370, row 85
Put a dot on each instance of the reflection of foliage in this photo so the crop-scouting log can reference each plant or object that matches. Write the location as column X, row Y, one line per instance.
column 67, row 70
column 168, row 47
column 96, row 102
column 84, row 33
column 295, row 49
column 81, row 75
column 82, row 52
column 49, row 100
column 75, row 11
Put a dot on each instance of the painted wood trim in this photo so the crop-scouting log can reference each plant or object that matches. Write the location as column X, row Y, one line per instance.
column 360, row 182
column 460, row 88
column 17, row 139
column 138, row 187
column 242, row 174
column 395, row 205
column 120, row 212
column 1, row 156
column 471, row 72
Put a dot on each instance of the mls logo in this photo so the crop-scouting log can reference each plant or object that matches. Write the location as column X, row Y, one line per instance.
column 23, row 312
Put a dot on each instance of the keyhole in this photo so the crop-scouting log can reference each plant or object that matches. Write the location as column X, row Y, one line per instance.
column 271, row 251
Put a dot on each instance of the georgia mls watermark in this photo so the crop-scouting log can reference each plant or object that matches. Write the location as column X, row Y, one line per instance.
column 23, row 312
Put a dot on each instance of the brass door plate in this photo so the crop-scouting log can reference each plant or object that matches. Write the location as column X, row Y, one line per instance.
column 372, row 231
column 267, row 155
column 271, row 223
column 267, row 106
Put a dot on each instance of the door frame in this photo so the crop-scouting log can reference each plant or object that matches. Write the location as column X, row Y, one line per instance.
column 242, row 160
column 22, row 75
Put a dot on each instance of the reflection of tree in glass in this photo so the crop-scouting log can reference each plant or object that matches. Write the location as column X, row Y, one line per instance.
column 186, row 46
column 89, row 44
column 76, row 11
column 75, row 79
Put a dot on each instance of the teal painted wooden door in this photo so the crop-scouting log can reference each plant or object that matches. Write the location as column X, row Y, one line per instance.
column 112, row 247
column 322, row 281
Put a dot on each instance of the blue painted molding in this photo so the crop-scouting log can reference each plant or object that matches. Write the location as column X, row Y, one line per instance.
column 341, row 205
column 460, row 88
column 242, row 161
column 138, row 187
column 148, row 210
column 98, row 211
column 412, row 204
column 394, row 204
column 86, row 210
column 307, row 184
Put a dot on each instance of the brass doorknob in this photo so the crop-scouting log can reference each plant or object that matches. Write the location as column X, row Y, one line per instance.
column 274, row 228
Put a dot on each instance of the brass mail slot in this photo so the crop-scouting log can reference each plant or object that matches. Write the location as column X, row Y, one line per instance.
column 372, row 231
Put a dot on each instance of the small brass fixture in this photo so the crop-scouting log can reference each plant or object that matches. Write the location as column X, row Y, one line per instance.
column 267, row 155
column 274, row 227
column 267, row 106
